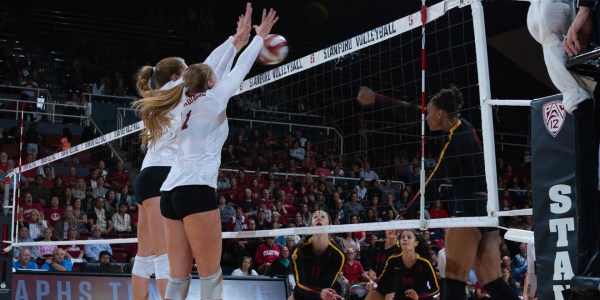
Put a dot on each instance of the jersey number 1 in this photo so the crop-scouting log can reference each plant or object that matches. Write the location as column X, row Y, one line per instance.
column 187, row 118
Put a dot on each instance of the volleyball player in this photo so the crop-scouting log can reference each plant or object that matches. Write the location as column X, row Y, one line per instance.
column 152, row 255
column 317, row 264
column 188, row 201
column 409, row 274
column 382, row 250
column 463, row 162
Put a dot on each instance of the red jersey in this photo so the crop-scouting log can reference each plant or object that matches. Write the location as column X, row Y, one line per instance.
column 353, row 272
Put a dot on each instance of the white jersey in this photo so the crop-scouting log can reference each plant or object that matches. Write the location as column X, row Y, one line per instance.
column 204, row 127
column 165, row 148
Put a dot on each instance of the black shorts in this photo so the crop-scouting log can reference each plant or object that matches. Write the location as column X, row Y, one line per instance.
column 475, row 206
column 148, row 182
column 185, row 200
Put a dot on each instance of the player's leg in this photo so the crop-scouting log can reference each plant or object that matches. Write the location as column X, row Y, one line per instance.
column 178, row 248
column 461, row 246
column 157, row 228
column 143, row 266
column 374, row 295
column 180, row 259
column 207, row 247
column 487, row 267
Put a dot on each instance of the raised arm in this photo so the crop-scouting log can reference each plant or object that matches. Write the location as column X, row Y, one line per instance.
column 227, row 87
column 240, row 39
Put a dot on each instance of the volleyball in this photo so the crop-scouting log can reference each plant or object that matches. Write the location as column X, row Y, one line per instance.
column 274, row 50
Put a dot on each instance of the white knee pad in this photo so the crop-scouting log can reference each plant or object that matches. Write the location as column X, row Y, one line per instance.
column 211, row 286
column 143, row 266
column 178, row 287
column 161, row 267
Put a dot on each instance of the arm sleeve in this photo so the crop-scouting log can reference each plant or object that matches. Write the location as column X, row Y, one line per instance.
column 433, row 283
column 225, row 88
column 225, row 63
column 214, row 57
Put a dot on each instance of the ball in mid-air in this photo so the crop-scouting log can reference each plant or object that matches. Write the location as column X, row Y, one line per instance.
column 274, row 50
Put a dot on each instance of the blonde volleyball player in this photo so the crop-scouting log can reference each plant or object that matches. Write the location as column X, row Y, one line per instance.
column 188, row 203
column 152, row 255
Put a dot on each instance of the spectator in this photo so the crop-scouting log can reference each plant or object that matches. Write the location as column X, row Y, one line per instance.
column 222, row 181
column 24, row 237
column 57, row 189
column 100, row 190
column 32, row 139
column 361, row 190
column 99, row 216
column 105, row 259
column 28, row 206
column 80, row 188
column 227, row 211
column 46, row 250
column 437, row 211
column 37, row 225
column 93, row 180
column 73, row 250
column 282, row 265
column 3, row 160
column 67, row 198
column 261, row 221
column 110, row 202
column 367, row 174
column 24, row 262
column 102, row 171
column 323, row 168
column 518, row 267
column 247, row 204
column 238, row 222
column 298, row 153
column 299, row 138
column 387, row 189
column 353, row 207
column 119, row 177
column 68, row 220
column 39, row 192
column 122, row 220
column 57, row 262
column 348, row 241
column 71, row 178
column 54, row 213
column 92, row 251
column 353, row 270
column 124, row 196
column 80, row 215
column 245, row 268
column 508, row 279
column 265, row 255
column 48, row 176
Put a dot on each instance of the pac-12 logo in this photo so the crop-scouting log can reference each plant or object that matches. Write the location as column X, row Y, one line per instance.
column 554, row 116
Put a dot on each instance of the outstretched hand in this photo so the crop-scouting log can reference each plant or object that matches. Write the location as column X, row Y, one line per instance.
column 244, row 26
column 268, row 20
column 365, row 96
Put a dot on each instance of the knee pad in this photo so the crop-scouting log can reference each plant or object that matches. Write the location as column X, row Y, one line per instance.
column 178, row 287
column 161, row 267
column 143, row 266
column 211, row 286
